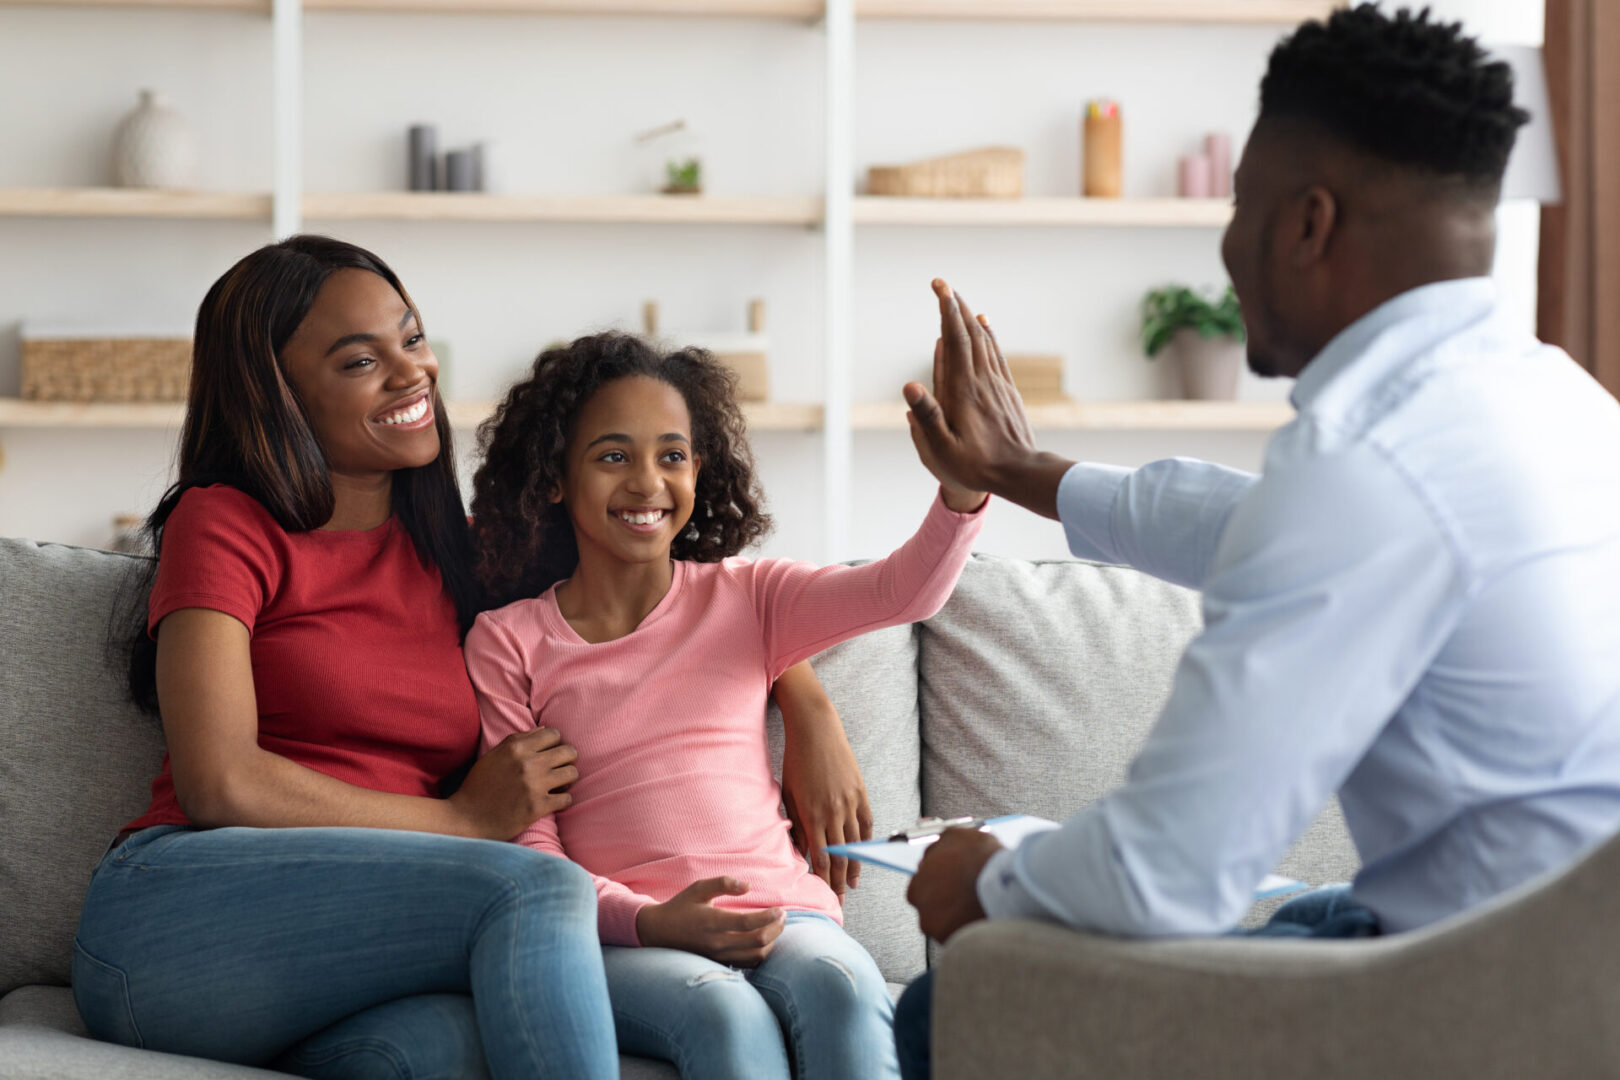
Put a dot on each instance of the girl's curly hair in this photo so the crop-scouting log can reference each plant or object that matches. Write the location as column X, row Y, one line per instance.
column 524, row 541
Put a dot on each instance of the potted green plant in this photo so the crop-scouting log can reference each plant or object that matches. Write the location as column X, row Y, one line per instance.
column 1204, row 335
column 683, row 177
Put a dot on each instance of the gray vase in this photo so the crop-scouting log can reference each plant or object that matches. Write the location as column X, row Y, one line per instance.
column 1209, row 367
column 154, row 147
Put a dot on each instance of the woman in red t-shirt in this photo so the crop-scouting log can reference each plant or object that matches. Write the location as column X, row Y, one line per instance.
column 301, row 892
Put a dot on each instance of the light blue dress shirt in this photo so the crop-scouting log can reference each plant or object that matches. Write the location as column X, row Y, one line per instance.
column 1416, row 605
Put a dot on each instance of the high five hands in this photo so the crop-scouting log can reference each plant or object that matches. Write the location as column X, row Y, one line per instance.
column 971, row 431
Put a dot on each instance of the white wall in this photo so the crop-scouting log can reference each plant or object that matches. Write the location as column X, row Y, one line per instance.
column 563, row 97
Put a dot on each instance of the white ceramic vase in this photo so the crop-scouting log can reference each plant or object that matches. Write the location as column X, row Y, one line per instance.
column 1209, row 367
column 154, row 147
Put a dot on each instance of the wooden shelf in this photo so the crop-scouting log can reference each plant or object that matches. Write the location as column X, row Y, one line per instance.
column 253, row 7
column 585, row 209
column 756, row 9
column 15, row 413
column 803, row 212
column 1158, row 213
column 1281, row 12
column 761, row 415
column 133, row 202
column 1114, row 416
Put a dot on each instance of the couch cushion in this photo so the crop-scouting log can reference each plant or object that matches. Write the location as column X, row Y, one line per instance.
column 76, row 758
column 41, row 1036
column 1039, row 682
column 873, row 681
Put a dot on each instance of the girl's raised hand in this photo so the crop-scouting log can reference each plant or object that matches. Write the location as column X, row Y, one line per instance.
column 517, row 783
column 690, row 921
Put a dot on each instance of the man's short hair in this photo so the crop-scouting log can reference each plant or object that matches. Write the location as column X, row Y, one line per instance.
column 1403, row 88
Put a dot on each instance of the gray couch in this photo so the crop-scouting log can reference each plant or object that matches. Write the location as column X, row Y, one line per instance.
column 1029, row 692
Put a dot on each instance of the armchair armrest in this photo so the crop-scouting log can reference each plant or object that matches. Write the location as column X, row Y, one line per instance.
column 1466, row 999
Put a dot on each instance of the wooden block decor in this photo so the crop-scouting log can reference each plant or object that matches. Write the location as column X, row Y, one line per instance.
column 105, row 369
column 753, row 374
column 996, row 172
column 1039, row 378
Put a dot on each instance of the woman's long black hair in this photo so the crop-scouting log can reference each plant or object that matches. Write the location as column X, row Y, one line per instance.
column 244, row 427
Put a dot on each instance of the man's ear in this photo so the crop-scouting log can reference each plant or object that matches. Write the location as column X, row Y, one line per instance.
column 1317, row 214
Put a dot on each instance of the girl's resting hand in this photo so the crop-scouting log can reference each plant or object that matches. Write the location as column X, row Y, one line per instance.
column 821, row 781
column 690, row 921
column 518, row 782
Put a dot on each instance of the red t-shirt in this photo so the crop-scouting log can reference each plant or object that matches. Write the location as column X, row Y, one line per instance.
column 356, row 652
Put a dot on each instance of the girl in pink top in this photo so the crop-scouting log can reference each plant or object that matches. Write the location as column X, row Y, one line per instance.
column 617, row 492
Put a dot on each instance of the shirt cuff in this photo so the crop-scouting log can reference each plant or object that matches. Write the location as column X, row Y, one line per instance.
column 616, row 919
column 1000, row 893
column 1085, row 504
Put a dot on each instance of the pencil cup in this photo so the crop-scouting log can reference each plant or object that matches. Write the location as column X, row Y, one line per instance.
column 1194, row 177
column 1103, row 156
column 1218, row 148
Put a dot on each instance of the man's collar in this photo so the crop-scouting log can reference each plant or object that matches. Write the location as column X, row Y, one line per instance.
column 1452, row 303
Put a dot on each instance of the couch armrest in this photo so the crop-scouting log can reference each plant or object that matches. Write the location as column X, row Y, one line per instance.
column 1032, row 1000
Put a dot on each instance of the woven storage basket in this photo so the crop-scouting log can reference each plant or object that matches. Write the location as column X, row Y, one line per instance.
column 105, row 369
column 993, row 173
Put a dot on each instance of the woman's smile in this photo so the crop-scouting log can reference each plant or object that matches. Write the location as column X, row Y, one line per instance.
column 413, row 413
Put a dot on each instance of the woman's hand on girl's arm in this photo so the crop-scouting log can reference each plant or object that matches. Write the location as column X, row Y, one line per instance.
column 223, row 777
column 520, row 781
column 821, row 781
column 690, row 921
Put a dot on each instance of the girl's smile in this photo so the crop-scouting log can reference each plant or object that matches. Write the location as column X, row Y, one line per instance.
column 642, row 520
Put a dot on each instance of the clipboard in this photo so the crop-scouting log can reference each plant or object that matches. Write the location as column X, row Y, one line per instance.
column 904, row 850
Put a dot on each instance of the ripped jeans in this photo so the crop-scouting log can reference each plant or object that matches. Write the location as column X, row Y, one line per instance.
column 818, row 996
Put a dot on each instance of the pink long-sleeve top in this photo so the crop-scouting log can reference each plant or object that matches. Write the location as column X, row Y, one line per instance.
column 669, row 720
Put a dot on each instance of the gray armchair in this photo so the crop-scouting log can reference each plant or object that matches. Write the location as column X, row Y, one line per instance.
column 1526, row 986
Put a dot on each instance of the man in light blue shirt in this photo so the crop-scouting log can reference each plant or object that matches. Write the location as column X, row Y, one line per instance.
column 1415, row 605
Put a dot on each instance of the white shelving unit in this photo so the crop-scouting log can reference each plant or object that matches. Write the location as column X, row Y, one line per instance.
column 838, row 214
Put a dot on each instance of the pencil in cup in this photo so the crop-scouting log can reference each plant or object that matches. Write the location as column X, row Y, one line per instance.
column 1102, row 153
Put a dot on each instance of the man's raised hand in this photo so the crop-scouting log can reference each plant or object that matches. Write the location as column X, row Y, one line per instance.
column 972, row 431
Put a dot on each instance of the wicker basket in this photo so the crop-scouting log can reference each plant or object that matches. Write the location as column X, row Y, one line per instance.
column 105, row 369
column 993, row 173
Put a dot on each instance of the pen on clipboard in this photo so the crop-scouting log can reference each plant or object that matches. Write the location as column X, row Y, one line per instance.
column 930, row 830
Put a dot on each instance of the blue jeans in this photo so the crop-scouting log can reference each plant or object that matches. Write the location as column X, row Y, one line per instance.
column 1327, row 912
column 346, row 952
column 818, row 996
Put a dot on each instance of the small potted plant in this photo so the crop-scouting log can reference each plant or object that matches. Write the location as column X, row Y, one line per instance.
column 1205, row 336
column 683, row 177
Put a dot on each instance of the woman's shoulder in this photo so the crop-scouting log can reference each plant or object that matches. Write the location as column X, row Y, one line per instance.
column 212, row 517
column 222, row 501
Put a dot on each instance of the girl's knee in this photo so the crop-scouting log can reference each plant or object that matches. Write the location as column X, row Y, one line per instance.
column 723, row 1005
